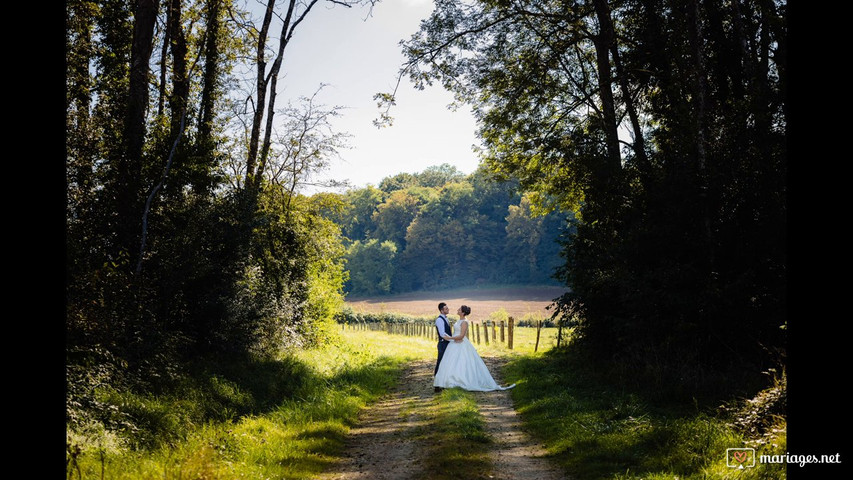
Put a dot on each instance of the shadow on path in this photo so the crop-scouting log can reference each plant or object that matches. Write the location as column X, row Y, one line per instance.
column 384, row 445
column 515, row 455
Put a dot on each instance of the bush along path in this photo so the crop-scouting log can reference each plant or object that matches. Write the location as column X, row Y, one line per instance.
column 415, row 433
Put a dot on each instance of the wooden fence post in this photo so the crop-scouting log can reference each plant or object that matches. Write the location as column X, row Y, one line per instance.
column 494, row 332
column 559, row 332
column 503, row 340
column 538, row 329
column 477, row 328
column 511, row 330
column 486, row 331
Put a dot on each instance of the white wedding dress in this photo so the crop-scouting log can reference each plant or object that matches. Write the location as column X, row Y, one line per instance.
column 461, row 366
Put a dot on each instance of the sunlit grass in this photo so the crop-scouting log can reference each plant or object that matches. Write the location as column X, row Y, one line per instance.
column 245, row 421
column 455, row 438
column 295, row 435
column 524, row 339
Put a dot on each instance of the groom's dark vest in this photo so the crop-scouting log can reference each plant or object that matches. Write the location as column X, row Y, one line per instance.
column 447, row 329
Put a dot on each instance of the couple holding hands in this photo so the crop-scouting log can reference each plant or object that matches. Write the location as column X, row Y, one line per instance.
column 459, row 364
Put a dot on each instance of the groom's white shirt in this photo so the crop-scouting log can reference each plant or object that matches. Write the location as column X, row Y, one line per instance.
column 439, row 324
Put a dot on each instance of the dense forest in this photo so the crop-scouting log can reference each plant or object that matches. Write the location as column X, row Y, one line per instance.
column 649, row 136
column 442, row 229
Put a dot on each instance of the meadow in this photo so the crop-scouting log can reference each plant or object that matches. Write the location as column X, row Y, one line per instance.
column 517, row 301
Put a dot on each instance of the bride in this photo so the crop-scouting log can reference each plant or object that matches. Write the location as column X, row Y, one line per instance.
column 462, row 365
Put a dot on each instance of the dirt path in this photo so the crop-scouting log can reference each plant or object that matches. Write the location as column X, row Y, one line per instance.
column 385, row 443
column 516, row 456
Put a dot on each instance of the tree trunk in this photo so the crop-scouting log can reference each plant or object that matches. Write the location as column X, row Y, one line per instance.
column 211, row 74
column 129, row 169
column 78, row 98
column 286, row 34
column 639, row 141
column 701, row 107
column 180, row 79
column 603, row 43
column 276, row 67
column 261, row 86
column 164, row 57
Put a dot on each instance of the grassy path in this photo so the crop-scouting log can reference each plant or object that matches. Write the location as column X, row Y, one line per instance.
column 384, row 444
column 516, row 455
column 414, row 433
column 365, row 408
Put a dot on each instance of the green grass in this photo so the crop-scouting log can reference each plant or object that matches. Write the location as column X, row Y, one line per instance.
column 456, row 437
column 285, row 419
column 523, row 343
column 288, row 418
column 596, row 429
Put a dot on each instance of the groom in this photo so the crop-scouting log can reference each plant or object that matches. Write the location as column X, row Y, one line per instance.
column 444, row 333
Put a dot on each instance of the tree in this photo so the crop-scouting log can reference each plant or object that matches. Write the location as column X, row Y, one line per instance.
column 363, row 204
column 164, row 261
column 393, row 216
column 438, row 176
column 531, row 251
column 661, row 229
column 371, row 266
column 305, row 144
column 400, row 181
column 128, row 180
column 441, row 239
column 266, row 82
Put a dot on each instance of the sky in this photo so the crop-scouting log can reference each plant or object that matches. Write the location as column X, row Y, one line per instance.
column 359, row 55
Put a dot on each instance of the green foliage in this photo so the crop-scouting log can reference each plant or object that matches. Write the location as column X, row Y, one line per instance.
column 349, row 316
column 679, row 238
column 223, row 269
column 400, row 181
column 439, row 175
column 448, row 229
column 531, row 252
column 371, row 265
column 499, row 315
column 394, row 216
column 533, row 319
column 361, row 206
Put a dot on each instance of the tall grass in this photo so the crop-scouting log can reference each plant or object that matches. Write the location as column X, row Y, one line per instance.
column 259, row 419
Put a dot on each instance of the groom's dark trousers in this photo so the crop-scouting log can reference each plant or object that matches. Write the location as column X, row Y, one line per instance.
column 442, row 343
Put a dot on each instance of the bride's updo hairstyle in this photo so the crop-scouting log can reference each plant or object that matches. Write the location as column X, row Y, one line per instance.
column 466, row 309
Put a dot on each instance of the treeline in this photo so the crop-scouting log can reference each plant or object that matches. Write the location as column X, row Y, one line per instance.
column 186, row 233
column 663, row 124
column 440, row 228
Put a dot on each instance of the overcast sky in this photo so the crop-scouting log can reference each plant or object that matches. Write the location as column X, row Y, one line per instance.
column 359, row 56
